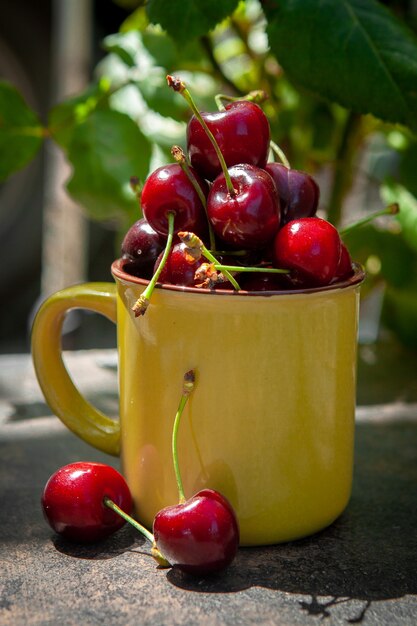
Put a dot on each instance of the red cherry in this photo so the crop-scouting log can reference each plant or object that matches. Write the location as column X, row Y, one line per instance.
column 169, row 190
column 344, row 269
column 72, row 501
column 199, row 536
column 251, row 217
column 257, row 281
column 298, row 192
column 311, row 248
column 141, row 247
column 242, row 133
column 179, row 268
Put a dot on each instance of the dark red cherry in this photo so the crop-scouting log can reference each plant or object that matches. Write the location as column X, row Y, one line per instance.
column 169, row 190
column 345, row 268
column 200, row 536
column 250, row 218
column 258, row 281
column 310, row 247
column 298, row 192
column 140, row 248
column 242, row 133
column 72, row 501
column 180, row 268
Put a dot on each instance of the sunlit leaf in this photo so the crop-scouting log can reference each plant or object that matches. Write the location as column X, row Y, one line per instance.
column 354, row 52
column 21, row 133
column 105, row 151
column 189, row 19
column 393, row 192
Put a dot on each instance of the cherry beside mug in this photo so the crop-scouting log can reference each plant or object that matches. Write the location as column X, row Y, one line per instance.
column 270, row 423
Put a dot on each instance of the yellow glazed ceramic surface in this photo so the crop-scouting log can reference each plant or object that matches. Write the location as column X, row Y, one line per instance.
column 271, row 421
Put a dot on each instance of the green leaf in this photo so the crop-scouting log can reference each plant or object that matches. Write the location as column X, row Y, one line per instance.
column 105, row 151
column 64, row 117
column 353, row 52
column 125, row 45
column 398, row 261
column 21, row 133
column 189, row 19
column 408, row 167
column 400, row 314
column 160, row 98
column 407, row 217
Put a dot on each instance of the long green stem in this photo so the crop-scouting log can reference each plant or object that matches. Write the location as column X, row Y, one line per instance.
column 210, row 257
column 188, row 386
column 142, row 303
column 256, row 96
column 144, row 531
column 238, row 268
column 179, row 86
column 280, row 153
column 181, row 159
column 194, row 243
column 391, row 209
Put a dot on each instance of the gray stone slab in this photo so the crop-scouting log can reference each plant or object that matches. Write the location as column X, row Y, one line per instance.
column 362, row 569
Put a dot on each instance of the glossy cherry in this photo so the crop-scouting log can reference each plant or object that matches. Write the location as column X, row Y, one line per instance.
column 298, row 192
column 241, row 131
column 345, row 267
column 72, row 501
column 180, row 267
column 199, row 536
column 140, row 248
column 311, row 248
column 257, row 281
column 169, row 190
column 250, row 217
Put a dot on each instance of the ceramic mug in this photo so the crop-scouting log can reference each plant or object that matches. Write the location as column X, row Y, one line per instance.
column 270, row 423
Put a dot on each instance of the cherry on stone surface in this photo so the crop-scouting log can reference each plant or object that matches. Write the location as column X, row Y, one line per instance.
column 169, row 190
column 298, row 192
column 251, row 217
column 140, row 248
column 73, row 501
column 311, row 248
column 241, row 131
column 200, row 535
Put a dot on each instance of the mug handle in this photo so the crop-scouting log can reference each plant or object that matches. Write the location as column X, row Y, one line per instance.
column 61, row 394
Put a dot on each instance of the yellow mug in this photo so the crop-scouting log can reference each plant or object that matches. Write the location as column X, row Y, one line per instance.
column 270, row 423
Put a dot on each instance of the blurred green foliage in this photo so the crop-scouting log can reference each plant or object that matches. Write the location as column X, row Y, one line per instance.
column 341, row 81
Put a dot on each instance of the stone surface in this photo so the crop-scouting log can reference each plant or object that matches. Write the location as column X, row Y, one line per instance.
column 362, row 569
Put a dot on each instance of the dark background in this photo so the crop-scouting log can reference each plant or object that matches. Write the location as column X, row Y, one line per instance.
column 25, row 61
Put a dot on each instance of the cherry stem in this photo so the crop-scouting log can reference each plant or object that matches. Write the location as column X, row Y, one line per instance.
column 256, row 96
column 181, row 159
column 188, row 386
column 391, row 209
column 239, row 268
column 142, row 303
column 144, row 531
column 194, row 243
column 210, row 257
column 280, row 153
column 180, row 87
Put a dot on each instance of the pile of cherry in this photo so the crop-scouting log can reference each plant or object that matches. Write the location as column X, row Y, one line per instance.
column 255, row 220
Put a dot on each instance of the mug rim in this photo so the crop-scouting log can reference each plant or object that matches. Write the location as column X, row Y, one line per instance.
column 118, row 272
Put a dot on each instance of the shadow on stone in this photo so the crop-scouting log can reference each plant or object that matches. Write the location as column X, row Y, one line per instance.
column 368, row 554
column 122, row 541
